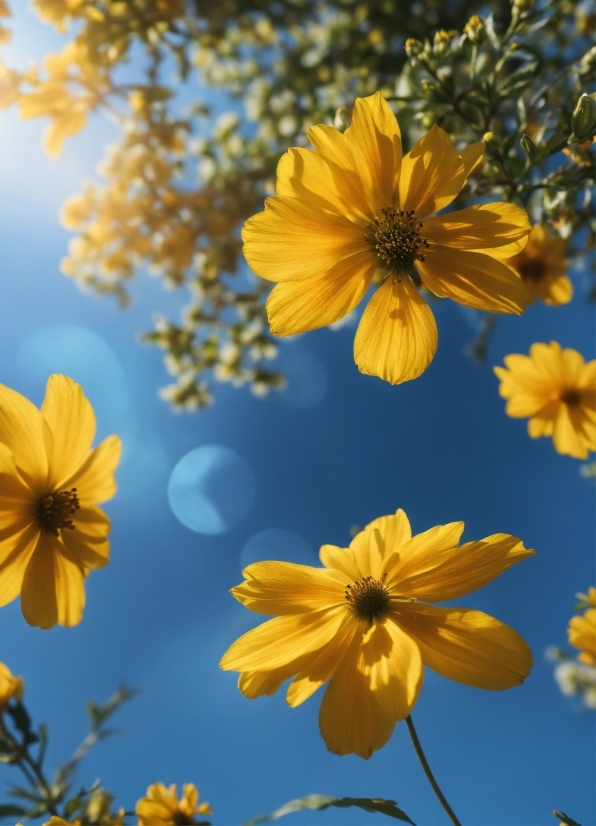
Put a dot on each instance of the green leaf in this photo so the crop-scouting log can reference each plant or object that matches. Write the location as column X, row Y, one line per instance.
column 517, row 80
column 9, row 811
column 322, row 801
column 569, row 821
column 529, row 147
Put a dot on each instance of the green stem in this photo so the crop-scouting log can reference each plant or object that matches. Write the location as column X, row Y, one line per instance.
column 429, row 774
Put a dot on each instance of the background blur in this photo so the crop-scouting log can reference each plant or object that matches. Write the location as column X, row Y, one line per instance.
column 282, row 477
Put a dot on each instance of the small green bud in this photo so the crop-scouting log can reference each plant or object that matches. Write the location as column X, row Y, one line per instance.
column 583, row 119
column 413, row 47
column 441, row 42
column 528, row 145
column 474, row 29
column 488, row 137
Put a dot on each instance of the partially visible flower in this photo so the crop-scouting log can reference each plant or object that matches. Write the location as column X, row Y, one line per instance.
column 51, row 531
column 582, row 635
column 541, row 265
column 11, row 687
column 556, row 390
column 576, row 678
column 355, row 212
column 587, row 600
column 161, row 806
column 363, row 623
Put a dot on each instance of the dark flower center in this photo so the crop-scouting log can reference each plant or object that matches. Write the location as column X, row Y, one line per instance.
column 368, row 599
column 533, row 269
column 181, row 819
column 54, row 510
column 571, row 397
column 396, row 239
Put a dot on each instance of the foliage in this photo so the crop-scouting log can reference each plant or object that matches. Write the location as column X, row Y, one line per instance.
column 284, row 67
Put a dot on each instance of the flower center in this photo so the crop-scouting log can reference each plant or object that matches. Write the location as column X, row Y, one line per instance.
column 367, row 598
column 534, row 269
column 181, row 819
column 571, row 397
column 396, row 239
column 54, row 510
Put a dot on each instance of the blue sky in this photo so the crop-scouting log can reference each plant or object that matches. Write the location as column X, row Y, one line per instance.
column 297, row 471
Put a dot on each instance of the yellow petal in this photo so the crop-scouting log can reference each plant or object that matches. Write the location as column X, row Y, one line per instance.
column 391, row 660
column 53, row 588
column 507, row 251
column 297, row 306
column 292, row 240
column 478, row 227
column 351, row 719
column 278, row 588
column 542, row 424
column 21, row 430
column 567, row 435
column 469, row 567
column 474, row 280
column 467, row 646
column 95, row 480
column 395, row 530
column 82, row 552
column 15, row 497
column 432, row 174
column 281, row 640
column 258, row 683
column 323, row 666
column 422, row 552
column 15, row 554
column 472, row 157
column 397, row 335
column 72, row 423
column 375, row 136
column 304, row 174
column 63, row 126
column 559, row 291
column 369, row 552
column 340, row 559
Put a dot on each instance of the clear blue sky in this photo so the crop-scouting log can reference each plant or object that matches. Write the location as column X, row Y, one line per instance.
column 339, row 450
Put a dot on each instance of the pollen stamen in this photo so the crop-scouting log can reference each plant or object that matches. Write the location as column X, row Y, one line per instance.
column 54, row 510
column 368, row 599
column 396, row 240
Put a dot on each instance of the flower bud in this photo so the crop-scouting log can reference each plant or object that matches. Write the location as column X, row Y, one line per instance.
column 441, row 42
column 529, row 147
column 413, row 47
column 488, row 137
column 583, row 119
column 522, row 5
column 474, row 29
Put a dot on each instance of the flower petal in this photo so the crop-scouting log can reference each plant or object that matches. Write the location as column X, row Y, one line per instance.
column 302, row 173
column 15, row 553
column 567, row 435
column 95, row 480
column 15, row 496
column 282, row 640
column 278, row 588
column 72, row 423
column 53, row 588
column 559, row 291
column 369, row 552
column 351, row 719
column 21, row 430
column 322, row 667
column 469, row 567
column 375, row 136
column 472, row 156
column 474, row 280
column 297, row 306
column 391, row 660
column 340, row 559
column 467, row 646
column 258, row 683
column 86, row 554
column 432, row 174
column 422, row 553
column 292, row 240
column 478, row 227
column 395, row 530
column 397, row 335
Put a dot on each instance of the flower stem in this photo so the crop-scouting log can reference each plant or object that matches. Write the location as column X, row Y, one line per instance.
column 429, row 774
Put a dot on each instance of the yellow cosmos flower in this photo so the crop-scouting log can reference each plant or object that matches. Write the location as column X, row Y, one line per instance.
column 11, row 687
column 51, row 532
column 556, row 389
column 582, row 635
column 355, row 211
column 161, row 806
column 541, row 265
column 358, row 623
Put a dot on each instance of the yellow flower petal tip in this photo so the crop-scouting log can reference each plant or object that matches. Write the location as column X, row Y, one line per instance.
column 11, row 687
column 364, row 624
column 51, row 480
column 542, row 267
column 556, row 390
column 582, row 635
column 355, row 211
column 161, row 806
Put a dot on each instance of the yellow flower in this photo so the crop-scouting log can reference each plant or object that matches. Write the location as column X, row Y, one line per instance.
column 161, row 806
column 353, row 212
column 556, row 389
column 589, row 598
column 541, row 265
column 51, row 532
column 358, row 623
column 582, row 635
column 11, row 687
